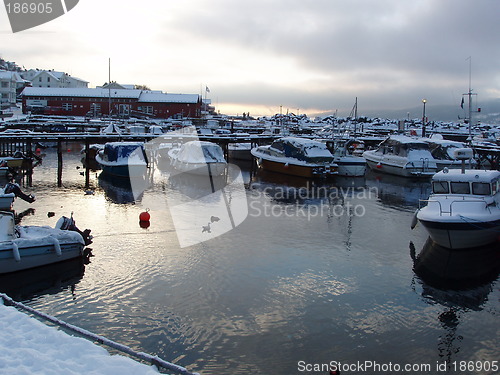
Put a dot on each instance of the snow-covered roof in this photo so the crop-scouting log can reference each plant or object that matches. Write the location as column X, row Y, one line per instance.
column 81, row 92
column 405, row 139
column 4, row 74
column 142, row 96
column 470, row 175
column 159, row 97
column 57, row 75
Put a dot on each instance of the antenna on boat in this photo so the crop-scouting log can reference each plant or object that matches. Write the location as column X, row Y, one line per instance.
column 469, row 94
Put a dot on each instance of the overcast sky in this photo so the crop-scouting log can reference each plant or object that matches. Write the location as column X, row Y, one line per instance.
column 313, row 56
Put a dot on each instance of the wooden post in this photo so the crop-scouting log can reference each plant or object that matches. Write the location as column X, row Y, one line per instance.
column 87, row 162
column 59, row 163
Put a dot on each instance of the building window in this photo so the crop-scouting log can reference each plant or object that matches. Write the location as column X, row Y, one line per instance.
column 5, row 84
column 67, row 106
column 39, row 79
column 148, row 109
column 48, row 79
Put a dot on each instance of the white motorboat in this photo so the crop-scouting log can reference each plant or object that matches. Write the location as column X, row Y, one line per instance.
column 343, row 151
column 123, row 159
column 463, row 210
column 403, row 156
column 24, row 247
column 198, row 157
column 296, row 156
column 443, row 151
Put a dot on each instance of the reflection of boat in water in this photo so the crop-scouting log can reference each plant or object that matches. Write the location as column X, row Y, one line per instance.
column 398, row 191
column 123, row 159
column 51, row 279
column 402, row 156
column 461, row 282
column 296, row 156
column 446, row 269
column 199, row 158
column 117, row 190
column 464, row 208
column 25, row 247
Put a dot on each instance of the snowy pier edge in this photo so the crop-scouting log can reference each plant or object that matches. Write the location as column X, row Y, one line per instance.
column 154, row 360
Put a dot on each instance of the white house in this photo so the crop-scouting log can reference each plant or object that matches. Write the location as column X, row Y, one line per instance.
column 51, row 78
column 9, row 83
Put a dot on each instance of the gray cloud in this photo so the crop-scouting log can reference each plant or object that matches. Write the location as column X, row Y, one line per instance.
column 391, row 50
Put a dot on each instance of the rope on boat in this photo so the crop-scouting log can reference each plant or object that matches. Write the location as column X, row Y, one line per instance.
column 154, row 360
column 465, row 219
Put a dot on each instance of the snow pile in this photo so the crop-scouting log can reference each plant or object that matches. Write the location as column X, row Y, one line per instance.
column 30, row 347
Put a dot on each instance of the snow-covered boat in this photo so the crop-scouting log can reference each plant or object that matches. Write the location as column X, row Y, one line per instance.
column 198, row 157
column 350, row 165
column 123, row 159
column 24, row 247
column 402, row 156
column 443, row 151
column 463, row 210
column 240, row 151
column 296, row 156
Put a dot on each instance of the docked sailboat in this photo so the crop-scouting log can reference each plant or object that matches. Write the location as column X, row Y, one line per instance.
column 402, row 156
column 463, row 210
column 296, row 156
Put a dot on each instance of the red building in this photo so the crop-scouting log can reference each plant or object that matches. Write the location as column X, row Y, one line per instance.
column 100, row 102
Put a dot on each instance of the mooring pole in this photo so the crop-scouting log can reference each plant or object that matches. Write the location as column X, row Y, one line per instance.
column 59, row 163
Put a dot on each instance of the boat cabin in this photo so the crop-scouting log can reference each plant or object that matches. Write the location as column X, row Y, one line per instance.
column 403, row 146
column 473, row 182
column 302, row 149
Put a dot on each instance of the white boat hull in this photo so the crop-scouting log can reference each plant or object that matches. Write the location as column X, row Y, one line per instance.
column 200, row 169
column 399, row 167
column 462, row 235
column 351, row 166
column 37, row 256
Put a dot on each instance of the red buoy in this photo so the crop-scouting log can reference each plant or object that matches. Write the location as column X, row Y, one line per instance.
column 144, row 216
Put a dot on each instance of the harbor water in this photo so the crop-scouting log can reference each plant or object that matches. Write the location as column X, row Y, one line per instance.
column 317, row 274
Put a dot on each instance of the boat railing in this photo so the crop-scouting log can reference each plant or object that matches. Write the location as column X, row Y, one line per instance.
column 456, row 201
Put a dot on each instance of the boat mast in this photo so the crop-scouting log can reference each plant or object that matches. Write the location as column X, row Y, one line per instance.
column 469, row 94
column 354, row 114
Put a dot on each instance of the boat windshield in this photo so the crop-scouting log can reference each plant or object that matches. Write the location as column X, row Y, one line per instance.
column 481, row 188
column 213, row 154
column 440, row 187
column 460, row 188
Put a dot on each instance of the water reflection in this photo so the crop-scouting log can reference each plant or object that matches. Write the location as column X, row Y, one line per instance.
column 460, row 281
column 50, row 279
column 117, row 190
column 398, row 192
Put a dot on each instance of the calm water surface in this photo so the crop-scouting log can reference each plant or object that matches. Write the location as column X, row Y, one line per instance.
column 309, row 277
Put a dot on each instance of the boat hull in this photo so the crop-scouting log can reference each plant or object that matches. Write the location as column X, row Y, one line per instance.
column 398, row 170
column 351, row 166
column 122, row 170
column 32, row 257
column 462, row 235
column 307, row 171
column 200, row 169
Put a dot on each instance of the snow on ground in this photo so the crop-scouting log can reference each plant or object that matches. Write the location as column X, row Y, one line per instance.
column 29, row 347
